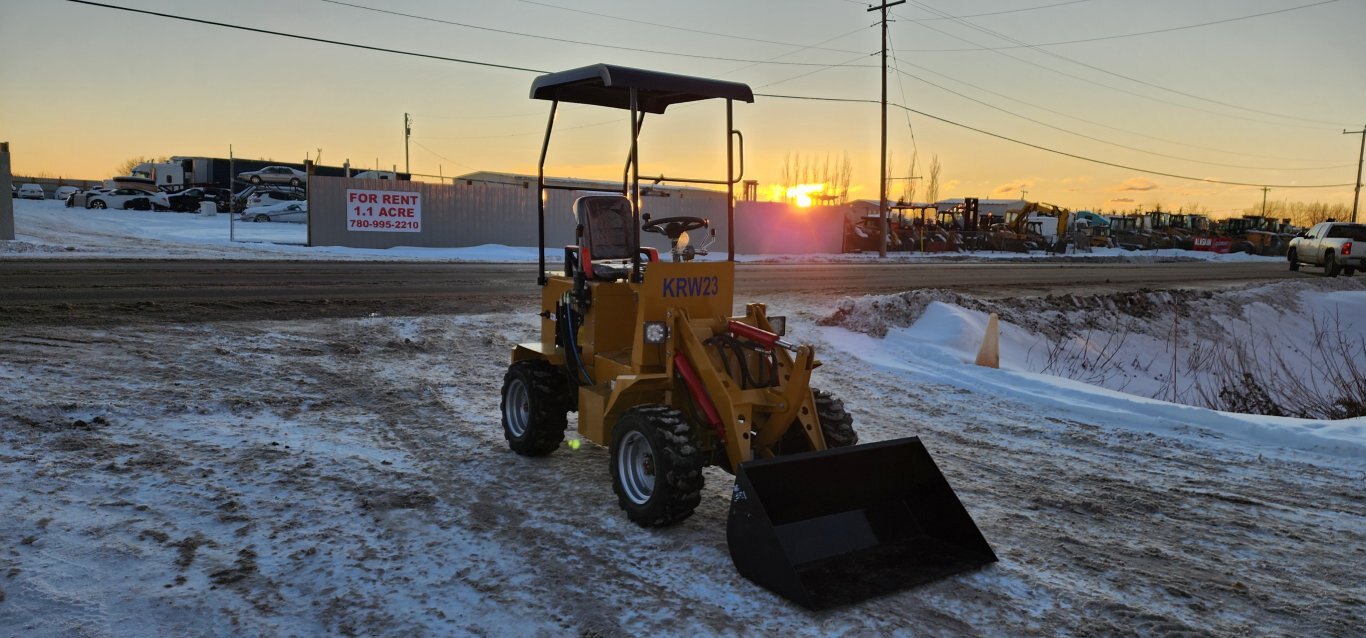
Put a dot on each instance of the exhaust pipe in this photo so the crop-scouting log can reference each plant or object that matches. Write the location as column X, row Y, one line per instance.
column 830, row 528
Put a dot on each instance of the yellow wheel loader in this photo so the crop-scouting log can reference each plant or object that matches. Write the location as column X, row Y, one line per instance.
column 651, row 355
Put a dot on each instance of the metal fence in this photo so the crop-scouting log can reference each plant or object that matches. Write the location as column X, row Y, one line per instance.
column 474, row 214
column 773, row 228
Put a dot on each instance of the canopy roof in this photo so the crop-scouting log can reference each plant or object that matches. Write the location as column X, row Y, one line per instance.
column 609, row 85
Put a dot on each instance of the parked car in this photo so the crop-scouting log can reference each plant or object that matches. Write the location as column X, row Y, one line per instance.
column 188, row 200
column 269, row 197
column 128, row 198
column 82, row 198
column 13, row 191
column 63, row 192
column 274, row 175
column 1337, row 246
column 31, row 191
column 295, row 212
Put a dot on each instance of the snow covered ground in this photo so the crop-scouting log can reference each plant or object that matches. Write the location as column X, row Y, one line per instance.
column 48, row 229
column 349, row 477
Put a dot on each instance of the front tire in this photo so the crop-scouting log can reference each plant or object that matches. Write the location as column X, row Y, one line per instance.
column 837, row 426
column 656, row 466
column 98, row 204
column 294, row 182
column 261, row 218
column 255, row 179
column 534, row 406
column 1294, row 260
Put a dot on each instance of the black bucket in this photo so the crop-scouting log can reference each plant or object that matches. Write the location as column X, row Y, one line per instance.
column 825, row 529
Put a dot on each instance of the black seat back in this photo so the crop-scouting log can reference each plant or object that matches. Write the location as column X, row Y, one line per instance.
column 608, row 228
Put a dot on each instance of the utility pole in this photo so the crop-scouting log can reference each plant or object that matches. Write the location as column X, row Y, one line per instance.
column 1265, row 189
column 1360, row 156
column 407, row 133
column 882, row 159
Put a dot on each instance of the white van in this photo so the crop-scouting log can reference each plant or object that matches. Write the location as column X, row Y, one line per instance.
column 375, row 175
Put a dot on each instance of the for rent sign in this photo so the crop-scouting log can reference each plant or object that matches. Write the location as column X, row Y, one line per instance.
column 384, row 211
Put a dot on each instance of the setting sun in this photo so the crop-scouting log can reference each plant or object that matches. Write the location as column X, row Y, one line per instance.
column 803, row 195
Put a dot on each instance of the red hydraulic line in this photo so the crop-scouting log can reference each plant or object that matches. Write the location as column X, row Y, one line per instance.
column 699, row 393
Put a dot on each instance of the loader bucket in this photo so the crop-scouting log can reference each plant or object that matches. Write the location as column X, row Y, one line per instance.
column 825, row 529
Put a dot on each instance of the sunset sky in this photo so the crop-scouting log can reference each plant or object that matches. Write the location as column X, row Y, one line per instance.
column 1196, row 88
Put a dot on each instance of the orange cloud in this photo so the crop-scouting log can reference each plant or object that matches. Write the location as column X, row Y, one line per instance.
column 1013, row 187
column 1137, row 184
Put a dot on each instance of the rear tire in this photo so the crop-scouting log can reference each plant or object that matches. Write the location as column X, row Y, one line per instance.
column 656, row 466
column 1294, row 260
column 534, row 407
column 1330, row 265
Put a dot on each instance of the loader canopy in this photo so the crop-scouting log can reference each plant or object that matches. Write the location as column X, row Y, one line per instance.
column 610, row 85
column 639, row 92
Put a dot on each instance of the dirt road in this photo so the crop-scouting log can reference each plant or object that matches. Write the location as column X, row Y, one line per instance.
column 187, row 290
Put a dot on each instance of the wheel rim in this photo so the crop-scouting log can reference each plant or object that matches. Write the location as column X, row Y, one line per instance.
column 636, row 468
column 518, row 411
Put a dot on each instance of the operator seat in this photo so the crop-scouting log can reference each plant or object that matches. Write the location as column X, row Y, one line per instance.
column 607, row 232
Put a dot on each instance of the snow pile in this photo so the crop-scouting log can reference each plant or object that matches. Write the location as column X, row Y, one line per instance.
column 1246, row 359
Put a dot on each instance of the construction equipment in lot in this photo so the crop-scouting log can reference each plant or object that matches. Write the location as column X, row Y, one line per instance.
column 648, row 353
column 1258, row 234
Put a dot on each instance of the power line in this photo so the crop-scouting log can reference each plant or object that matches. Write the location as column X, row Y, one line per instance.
column 423, row 147
column 793, row 97
column 688, row 30
column 997, row 13
column 1110, row 37
column 567, row 41
column 901, row 86
column 1103, row 141
column 1045, row 148
column 1095, row 83
column 308, row 38
column 1107, row 126
column 1059, row 56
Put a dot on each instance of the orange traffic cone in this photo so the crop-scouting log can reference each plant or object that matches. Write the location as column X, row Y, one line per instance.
column 990, row 353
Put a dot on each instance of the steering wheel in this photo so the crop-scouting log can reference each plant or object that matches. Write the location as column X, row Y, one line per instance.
column 674, row 227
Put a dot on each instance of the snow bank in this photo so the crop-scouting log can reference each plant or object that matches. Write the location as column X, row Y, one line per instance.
column 1121, row 358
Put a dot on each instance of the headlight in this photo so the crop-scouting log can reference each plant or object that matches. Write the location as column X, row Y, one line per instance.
column 779, row 325
column 656, row 332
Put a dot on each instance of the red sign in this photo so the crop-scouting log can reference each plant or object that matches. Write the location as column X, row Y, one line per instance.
column 1220, row 245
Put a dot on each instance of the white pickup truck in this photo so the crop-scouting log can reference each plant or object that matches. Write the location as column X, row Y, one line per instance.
column 1337, row 246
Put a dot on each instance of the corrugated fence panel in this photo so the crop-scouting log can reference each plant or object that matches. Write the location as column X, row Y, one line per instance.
column 771, row 228
column 464, row 214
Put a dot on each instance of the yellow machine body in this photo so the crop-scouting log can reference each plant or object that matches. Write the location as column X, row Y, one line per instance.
column 694, row 299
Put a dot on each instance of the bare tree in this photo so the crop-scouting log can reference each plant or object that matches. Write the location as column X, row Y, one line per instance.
column 1301, row 213
column 908, row 186
column 932, row 190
